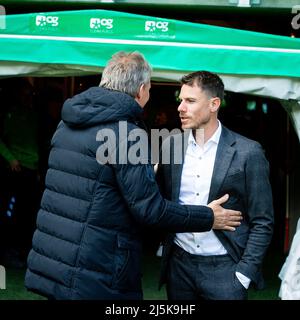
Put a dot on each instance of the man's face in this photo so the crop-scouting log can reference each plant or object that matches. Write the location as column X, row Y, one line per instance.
column 195, row 107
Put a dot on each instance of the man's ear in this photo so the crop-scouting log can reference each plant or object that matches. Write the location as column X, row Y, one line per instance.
column 140, row 94
column 141, row 88
column 215, row 104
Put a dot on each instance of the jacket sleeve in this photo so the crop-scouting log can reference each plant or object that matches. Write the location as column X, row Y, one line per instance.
column 260, row 212
column 141, row 193
column 159, row 177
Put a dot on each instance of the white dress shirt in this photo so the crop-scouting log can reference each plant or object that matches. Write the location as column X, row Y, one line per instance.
column 194, row 190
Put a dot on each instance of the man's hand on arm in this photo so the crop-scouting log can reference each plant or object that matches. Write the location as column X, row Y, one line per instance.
column 224, row 219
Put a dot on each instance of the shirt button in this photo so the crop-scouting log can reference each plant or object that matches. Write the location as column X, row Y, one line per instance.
column 198, row 176
column 198, row 246
column 197, row 194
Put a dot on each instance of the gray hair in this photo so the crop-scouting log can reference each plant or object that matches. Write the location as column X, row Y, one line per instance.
column 126, row 72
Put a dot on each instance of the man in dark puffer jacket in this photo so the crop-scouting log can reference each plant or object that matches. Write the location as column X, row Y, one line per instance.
column 87, row 243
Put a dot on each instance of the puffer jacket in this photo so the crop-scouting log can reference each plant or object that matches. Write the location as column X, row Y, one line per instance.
column 87, row 243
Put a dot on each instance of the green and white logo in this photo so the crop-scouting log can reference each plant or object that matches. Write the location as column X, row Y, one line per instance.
column 46, row 21
column 101, row 24
column 154, row 26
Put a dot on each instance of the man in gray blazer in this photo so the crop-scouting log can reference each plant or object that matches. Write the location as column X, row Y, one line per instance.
column 214, row 265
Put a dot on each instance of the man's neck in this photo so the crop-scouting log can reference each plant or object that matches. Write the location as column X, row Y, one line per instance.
column 203, row 134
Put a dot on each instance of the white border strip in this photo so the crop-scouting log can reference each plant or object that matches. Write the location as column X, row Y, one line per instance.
column 148, row 43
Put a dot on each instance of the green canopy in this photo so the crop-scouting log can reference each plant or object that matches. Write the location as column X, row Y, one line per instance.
column 69, row 43
column 89, row 38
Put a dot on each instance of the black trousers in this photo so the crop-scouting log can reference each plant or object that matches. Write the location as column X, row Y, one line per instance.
column 193, row 277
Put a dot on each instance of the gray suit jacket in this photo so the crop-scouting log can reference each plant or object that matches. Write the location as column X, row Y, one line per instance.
column 242, row 171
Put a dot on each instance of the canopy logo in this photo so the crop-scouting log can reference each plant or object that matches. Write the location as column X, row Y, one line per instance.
column 296, row 19
column 2, row 17
column 152, row 26
column 97, row 24
column 45, row 21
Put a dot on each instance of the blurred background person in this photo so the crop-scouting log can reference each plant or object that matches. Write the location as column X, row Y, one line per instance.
column 19, row 153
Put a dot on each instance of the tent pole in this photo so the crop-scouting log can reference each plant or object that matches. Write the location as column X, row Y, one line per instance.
column 287, row 201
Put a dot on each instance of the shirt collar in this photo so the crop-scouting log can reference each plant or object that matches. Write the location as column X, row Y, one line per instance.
column 217, row 134
column 214, row 138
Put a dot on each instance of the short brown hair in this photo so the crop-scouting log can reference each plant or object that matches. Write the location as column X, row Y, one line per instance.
column 209, row 82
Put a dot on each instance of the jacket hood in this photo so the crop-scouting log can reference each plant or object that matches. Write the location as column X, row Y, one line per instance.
column 99, row 105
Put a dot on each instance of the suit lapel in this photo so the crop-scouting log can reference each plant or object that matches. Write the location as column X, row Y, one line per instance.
column 177, row 168
column 223, row 160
